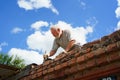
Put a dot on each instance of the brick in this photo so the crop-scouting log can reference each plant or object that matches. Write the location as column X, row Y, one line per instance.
column 111, row 47
column 72, row 61
column 46, row 63
column 59, row 73
column 33, row 76
column 39, row 74
column 104, row 38
column 78, row 74
column 67, row 70
column 102, row 60
column 45, row 72
column 80, row 59
column 40, row 69
column 46, row 77
column 89, row 55
column 91, row 63
column 50, row 70
column 99, row 52
column 63, row 65
column 57, row 67
column 73, row 69
column 81, row 66
column 71, row 77
column 114, row 56
column 51, row 76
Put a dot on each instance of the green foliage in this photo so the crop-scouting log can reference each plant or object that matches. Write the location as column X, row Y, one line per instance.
column 12, row 61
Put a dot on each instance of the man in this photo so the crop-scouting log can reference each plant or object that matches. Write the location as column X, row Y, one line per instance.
column 62, row 39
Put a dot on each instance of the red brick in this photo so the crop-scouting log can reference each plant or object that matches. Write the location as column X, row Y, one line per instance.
column 91, row 63
column 78, row 74
column 46, row 62
column 114, row 56
column 46, row 77
column 81, row 66
column 59, row 73
column 99, row 51
column 39, row 74
column 71, row 77
column 111, row 47
column 45, row 71
column 63, row 65
column 73, row 69
column 72, row 62
column 51, row 76
column 57, row 67
column 33, row 76
column 80, row 59
column 102, row 60
column 50, row 70
column 67, row 70
column 89, row 55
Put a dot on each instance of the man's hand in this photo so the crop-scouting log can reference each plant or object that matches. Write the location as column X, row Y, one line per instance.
column 45, row 56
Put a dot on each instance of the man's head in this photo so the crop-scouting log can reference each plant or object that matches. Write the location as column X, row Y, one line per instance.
column 56, row 31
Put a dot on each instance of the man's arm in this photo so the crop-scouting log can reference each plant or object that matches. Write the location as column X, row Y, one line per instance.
column 70, row 44
column 52, row 52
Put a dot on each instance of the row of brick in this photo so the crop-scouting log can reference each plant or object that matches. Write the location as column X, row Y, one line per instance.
column 95, row 58
column 93, row 54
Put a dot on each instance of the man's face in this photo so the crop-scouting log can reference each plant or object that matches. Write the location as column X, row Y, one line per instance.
column 55, row 33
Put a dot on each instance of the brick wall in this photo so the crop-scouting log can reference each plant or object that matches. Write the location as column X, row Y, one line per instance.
column 95, row 60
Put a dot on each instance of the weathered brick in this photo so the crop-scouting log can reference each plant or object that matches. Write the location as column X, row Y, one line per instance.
column 114, row 56
column 65, row 64
column 57, row 67
column 72, row 61
column 91, row 63
column 80, row 59
column 45, row 72
column 89, row 55
column 78, row 74
column 51, row 76
column 67, row 70
column 46, row 77
column 46, row 62
column 33, row 76
column 71, row 77
column 50, row 70
column 99, row 52
column 102, row 60
column 111, row 47
column 81, row 66
column 73, row 69
column 39, row 74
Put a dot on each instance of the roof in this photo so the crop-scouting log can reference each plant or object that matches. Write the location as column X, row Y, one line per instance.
column 7, row 71
column 95, row 60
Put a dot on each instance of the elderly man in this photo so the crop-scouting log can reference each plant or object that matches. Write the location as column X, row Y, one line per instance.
column 62, row 39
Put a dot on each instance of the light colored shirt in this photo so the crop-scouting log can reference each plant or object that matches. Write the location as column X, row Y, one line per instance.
column 62, row 41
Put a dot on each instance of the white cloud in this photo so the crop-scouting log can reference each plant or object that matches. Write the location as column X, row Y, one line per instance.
column 118, row 26
column 17, row 30
column 38, row 24
column 3, row 44
column 28, row 56
column 117, row 11
column 82, row 5
column 36, row 4
column 40, row 41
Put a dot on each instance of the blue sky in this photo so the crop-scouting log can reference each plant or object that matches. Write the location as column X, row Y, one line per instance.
column 24, row 24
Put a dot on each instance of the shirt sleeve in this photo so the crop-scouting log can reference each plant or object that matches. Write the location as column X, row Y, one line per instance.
column 68, row 35
column 55, row 45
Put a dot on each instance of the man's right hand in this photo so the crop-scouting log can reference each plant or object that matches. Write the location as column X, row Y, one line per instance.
column 45, row 56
